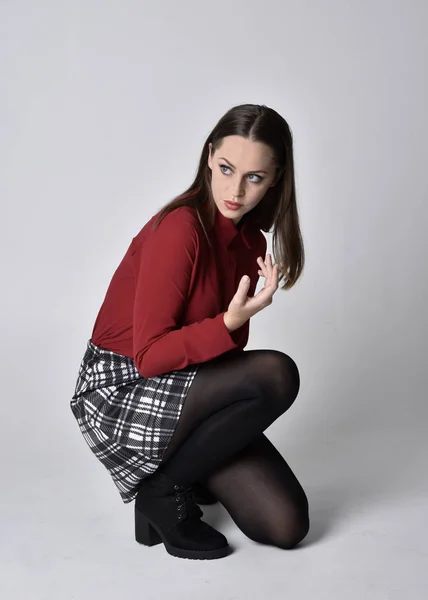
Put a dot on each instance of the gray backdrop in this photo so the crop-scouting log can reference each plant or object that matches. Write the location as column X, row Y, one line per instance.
column 104, row 109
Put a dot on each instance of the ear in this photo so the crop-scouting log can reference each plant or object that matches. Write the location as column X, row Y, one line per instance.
column 210, row 163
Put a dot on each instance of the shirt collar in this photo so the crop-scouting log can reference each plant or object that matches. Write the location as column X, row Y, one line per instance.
column 227, row 231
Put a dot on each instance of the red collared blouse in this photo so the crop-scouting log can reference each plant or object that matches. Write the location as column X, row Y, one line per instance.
column 165, row 302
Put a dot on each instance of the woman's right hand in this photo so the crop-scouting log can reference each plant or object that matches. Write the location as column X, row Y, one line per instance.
column 242, row 307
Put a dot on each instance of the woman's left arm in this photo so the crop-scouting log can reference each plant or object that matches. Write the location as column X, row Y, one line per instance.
column 251, row 269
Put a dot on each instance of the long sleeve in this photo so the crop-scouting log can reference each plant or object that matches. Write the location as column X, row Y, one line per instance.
column 165, row 268
column 242, row 334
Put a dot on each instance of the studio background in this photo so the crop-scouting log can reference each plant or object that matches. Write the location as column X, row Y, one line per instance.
column 104, row 110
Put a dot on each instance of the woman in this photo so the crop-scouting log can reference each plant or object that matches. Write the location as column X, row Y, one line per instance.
column 166, row 396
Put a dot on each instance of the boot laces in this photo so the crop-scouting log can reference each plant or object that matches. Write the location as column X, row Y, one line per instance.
column 187, row 507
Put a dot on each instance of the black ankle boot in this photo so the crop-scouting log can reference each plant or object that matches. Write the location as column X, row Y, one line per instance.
column 167, row 512
column 202, row 495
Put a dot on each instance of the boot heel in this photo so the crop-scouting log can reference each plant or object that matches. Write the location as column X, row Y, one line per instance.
column 144, row 532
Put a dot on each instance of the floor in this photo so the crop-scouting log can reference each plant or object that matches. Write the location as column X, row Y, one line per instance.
column 67, row 535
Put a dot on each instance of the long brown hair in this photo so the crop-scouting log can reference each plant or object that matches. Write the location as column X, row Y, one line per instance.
column 277, row 211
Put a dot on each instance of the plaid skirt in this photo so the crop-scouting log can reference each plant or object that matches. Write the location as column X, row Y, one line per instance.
column 127, row 420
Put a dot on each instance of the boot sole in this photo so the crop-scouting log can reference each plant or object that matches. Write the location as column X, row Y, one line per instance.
column 147, row 533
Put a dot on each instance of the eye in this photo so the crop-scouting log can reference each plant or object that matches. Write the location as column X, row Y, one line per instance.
column 224, row 167
column 259, row 178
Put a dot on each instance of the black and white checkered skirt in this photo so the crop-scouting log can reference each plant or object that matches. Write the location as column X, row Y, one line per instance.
column 126, row 419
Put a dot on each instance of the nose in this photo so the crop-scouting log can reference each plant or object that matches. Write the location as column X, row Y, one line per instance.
column 237, row 189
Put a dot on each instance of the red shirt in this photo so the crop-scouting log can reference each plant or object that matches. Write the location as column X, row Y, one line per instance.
column 165, row 302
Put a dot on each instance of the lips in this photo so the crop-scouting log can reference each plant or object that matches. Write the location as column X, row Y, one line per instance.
column 233, row 203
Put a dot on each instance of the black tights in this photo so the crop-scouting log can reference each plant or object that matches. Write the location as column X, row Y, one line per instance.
column 218, row 441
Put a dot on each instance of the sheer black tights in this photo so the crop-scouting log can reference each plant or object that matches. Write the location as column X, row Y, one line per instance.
column 219, row 442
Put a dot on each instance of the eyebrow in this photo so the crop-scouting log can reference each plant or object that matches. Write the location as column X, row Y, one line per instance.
column 228, row 161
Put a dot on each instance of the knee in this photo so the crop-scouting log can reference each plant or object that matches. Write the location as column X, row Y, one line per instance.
column 283, row 375
column 294, row 526
column 286, row 533
column 290, row 537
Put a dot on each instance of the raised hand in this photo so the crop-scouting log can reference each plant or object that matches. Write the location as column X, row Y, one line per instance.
column 243, row 307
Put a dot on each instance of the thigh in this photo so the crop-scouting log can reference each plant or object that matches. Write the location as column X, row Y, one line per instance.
column 268, row 374
column 262, row 495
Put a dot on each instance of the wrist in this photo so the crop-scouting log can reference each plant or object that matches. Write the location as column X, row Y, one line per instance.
column 231, row 325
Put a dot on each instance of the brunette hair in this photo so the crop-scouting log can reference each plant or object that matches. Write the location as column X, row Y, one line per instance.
column 277, row 211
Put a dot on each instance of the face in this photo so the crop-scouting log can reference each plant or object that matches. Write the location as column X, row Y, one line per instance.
column 242, row 172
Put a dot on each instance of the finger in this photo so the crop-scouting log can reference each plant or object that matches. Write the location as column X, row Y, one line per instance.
column 269, row 264
column 262, row 266
column 275, row 276
column 243, row 286
column 269, row 268
column 272, row 283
